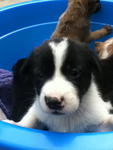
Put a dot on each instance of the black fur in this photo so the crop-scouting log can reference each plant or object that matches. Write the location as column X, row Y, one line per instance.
column 80, row 63
column 107, row 78
column 30, row 74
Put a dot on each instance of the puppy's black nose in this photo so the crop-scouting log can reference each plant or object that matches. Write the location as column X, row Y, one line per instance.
column 53, row 103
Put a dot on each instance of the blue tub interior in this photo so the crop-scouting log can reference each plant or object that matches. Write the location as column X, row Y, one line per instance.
column 23, row 27
column 26, row 26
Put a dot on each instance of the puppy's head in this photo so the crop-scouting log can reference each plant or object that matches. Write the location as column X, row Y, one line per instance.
column 89, row 6
column 61, row 72
column 93, row 6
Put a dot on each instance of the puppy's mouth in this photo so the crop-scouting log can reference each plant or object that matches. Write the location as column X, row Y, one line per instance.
column 57, row 113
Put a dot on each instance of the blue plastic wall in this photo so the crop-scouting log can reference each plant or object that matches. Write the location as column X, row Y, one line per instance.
column 23, row 27
column 17, row 138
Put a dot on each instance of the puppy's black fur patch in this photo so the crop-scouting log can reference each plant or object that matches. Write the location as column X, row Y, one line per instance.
column 79, row 65
column 29, row 76
column 107, row 78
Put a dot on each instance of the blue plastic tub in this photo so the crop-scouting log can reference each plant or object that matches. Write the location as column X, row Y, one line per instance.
column 23, row 27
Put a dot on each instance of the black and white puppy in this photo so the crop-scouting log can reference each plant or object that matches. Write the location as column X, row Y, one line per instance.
column 61, row 86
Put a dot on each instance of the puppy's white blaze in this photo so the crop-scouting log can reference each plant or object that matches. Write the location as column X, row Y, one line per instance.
column 59, row 51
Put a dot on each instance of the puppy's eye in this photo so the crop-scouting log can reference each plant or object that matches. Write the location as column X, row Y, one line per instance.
column 75, row 72
column 39, row 75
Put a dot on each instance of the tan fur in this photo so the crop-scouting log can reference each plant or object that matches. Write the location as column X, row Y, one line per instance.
column 105, row 49
column 74, row 23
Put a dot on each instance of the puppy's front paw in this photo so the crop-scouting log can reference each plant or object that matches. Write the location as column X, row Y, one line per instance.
column 10, row 121
column 107, row 125
column 108, row 29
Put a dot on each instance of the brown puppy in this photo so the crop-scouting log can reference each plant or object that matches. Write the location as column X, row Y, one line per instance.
column 74, row 23
column 104, row 49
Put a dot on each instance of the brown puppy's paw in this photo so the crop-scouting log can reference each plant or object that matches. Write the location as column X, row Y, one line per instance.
column 108, row 28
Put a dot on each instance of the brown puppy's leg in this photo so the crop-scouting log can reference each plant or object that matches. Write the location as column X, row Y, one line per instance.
column 100, row 33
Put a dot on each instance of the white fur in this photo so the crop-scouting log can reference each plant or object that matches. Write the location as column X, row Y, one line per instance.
column 2, row 115
column 92, row 111
column 30, row 118
column 59, row 51
column 105, row 53
column 58, row 87
column 108, row 106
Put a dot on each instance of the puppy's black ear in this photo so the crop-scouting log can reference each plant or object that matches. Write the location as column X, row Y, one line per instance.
column 21, row 69
column 95, row 64
column 23, row 91
column 17, row 67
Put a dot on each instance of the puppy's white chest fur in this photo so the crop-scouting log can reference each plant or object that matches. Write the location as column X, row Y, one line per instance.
column 91, row 114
